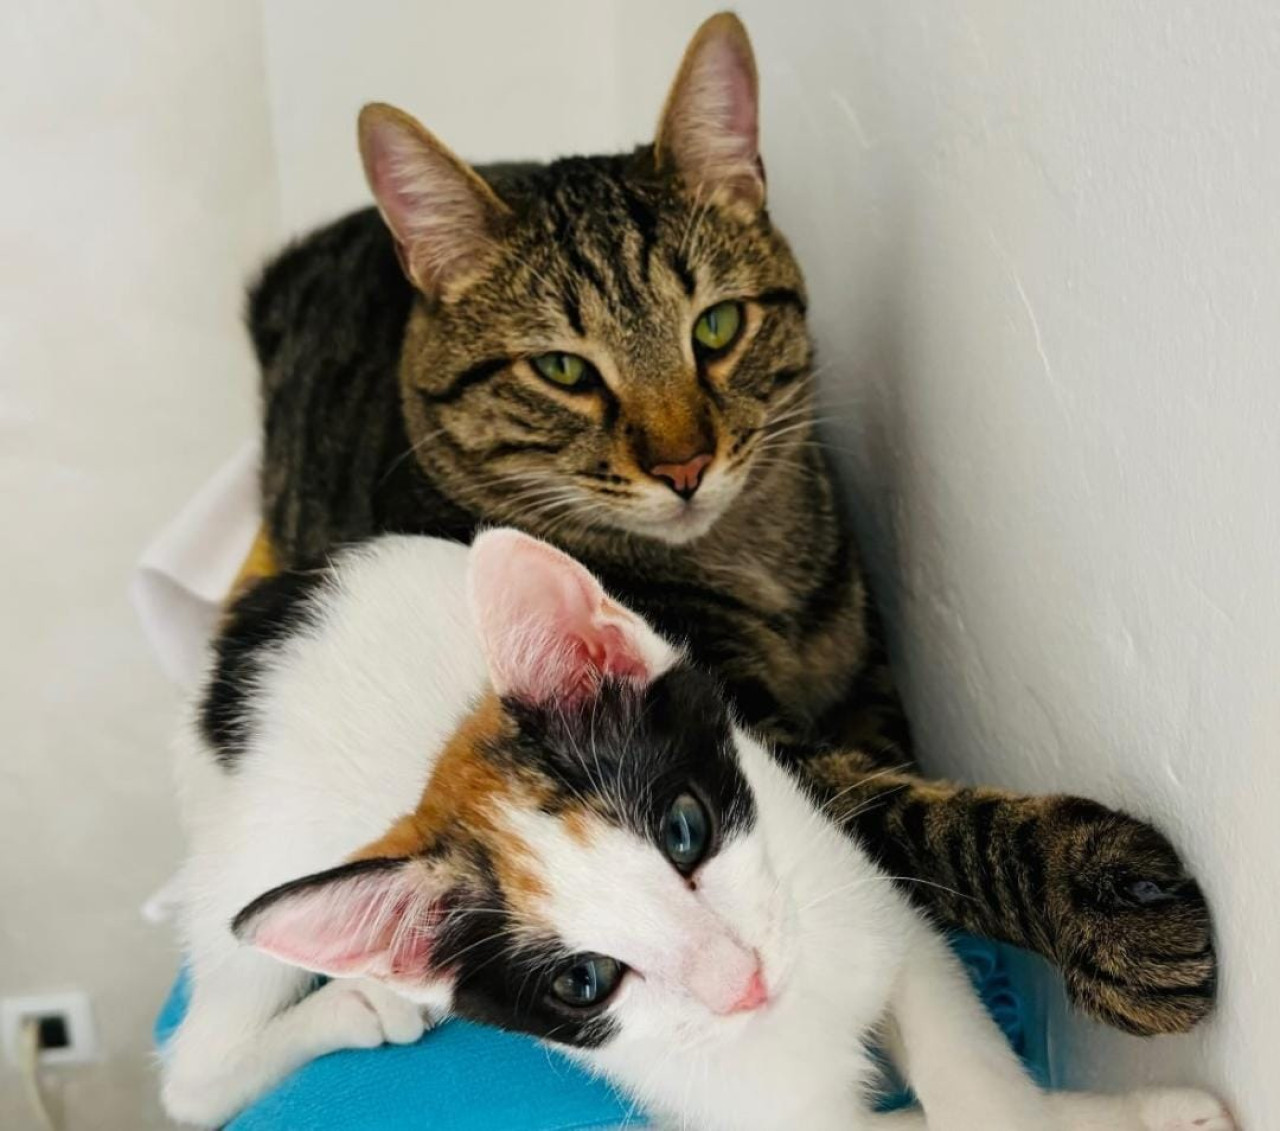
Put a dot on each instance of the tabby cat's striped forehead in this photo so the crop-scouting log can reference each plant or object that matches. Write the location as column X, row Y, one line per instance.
column 610, row 235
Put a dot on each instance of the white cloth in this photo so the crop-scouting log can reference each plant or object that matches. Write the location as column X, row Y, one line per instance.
column 185, row 574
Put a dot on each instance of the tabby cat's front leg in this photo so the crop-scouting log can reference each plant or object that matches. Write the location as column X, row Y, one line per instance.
column 1104, row 896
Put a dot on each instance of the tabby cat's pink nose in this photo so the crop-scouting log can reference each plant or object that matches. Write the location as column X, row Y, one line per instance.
column 683, row 478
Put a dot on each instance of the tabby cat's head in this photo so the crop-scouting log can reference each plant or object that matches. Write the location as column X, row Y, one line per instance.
column 603, row 342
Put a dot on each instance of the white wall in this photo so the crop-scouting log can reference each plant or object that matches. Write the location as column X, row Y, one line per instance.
column 493, row 79
column 1043, row 245
column 136, row 193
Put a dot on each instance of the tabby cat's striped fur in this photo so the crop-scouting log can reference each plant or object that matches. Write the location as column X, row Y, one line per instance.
column 394, row 409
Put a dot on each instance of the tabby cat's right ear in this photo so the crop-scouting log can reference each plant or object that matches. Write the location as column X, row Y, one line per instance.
column 446, row 221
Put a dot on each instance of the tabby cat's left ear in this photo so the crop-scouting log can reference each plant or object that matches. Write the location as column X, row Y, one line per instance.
column 709, row 133
column 446, row 221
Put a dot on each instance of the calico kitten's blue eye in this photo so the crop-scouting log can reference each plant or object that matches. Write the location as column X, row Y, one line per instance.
column 587, row 981
column 686, row 832
column 567, row 370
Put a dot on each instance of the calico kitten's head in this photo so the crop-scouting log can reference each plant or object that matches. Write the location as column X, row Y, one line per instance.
column 604, row 342
column 598, row 857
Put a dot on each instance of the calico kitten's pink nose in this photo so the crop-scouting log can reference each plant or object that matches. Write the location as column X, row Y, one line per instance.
column 754, row 996
column 683, row 478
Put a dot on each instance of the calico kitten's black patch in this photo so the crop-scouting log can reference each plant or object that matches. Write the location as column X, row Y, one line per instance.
column 509, row 986
column 629, row 753
column 273, row 610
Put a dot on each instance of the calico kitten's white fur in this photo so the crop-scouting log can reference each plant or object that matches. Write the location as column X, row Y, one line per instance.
column 754, row 982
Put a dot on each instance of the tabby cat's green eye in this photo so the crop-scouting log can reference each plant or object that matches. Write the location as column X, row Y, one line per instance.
column 567, row 370
column 718, row 328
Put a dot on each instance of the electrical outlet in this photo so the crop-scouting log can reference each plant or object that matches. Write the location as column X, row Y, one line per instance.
column 66, row 1027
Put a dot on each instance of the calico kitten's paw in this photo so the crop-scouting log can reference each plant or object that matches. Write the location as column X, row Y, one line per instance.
column 363, row 1015
column 1130, row 927
column 1181, row 1109
column 403, row 1022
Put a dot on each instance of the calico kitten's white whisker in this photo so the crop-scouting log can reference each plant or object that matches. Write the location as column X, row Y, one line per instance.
column 863, row 782
column 823, row 810
column 932, row 884
column 853, row 885
column 871, row 804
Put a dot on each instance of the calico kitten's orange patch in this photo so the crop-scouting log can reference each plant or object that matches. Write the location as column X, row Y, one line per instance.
column 463, row 801
column 579, row 825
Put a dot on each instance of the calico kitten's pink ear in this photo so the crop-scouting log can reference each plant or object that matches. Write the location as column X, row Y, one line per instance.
column 373, row 918
column 548, row 629
column 445, row 219
column 709, row 131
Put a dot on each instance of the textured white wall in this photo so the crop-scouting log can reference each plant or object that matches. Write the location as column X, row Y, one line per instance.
column 493, row 79
column 137, row 191
column 1043, row 245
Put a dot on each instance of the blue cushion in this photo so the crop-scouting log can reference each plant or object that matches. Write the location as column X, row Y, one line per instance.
column 464, row 1077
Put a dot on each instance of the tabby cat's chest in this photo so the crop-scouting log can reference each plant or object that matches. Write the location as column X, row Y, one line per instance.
column 787, row 634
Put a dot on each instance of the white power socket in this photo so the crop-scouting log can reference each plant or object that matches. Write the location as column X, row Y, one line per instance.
column 77, row 1019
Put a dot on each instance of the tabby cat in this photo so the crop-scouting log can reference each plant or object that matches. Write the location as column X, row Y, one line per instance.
column 611, row 353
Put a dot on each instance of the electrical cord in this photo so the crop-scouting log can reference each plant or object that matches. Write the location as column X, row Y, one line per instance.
column 31, row 1073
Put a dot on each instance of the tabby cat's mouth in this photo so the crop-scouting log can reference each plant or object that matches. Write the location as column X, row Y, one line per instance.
column 691, row 521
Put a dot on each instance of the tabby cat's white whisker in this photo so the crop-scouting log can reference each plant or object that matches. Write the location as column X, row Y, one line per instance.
column 413, row 449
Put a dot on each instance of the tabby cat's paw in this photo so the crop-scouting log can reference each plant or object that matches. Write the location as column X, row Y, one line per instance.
column 1181, row 1109
column 1130, row 927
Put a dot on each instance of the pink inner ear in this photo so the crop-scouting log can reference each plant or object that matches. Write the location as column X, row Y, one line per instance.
column 548, row 628
column 710, row 133
column 439, row 219
column 722, row 90
column 363, row 925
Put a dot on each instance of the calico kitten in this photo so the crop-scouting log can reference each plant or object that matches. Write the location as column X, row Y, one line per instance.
column 611, row 353
column 597, row 855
